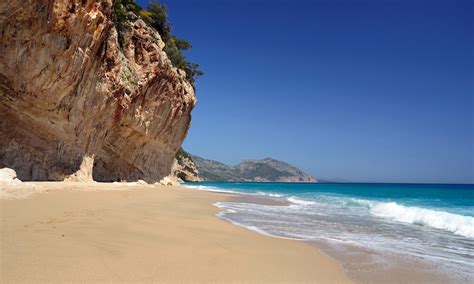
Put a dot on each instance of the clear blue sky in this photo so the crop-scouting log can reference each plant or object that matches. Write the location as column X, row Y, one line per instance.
column 358, row 90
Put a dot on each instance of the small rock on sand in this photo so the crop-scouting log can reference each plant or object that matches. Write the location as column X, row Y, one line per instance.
column 8, row 177
column 11, row 187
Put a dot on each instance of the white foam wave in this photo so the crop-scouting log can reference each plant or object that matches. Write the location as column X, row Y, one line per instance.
column 222, row 215
column 457, row 224
column 358, row 202
column 269, row 194
column 209, row 188
column 295, row 200
column 218, row 189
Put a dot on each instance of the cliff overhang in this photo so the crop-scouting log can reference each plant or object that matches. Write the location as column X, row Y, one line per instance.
column 77, row 105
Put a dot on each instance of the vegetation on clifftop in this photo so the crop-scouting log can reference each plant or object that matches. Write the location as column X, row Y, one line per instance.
column 156, row 16
column 181, row 155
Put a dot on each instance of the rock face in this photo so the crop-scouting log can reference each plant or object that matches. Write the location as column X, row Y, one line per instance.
column 184, row 168
column 77, row 103
column 266, row 170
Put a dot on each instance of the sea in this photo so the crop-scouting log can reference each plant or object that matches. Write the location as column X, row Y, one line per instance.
column 431, row 224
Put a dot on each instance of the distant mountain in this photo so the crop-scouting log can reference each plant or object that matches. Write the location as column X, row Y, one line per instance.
column 266, row 170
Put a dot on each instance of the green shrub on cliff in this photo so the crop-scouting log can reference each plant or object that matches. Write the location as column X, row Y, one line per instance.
column 156, row 15
column 122, row 7
column 181, row 155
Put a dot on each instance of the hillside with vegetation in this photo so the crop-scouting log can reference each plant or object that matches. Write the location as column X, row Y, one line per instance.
column 156, row 16
column 265, row 170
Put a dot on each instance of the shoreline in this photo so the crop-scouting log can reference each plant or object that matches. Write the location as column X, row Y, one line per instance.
column 116, row 232
column 360, row 264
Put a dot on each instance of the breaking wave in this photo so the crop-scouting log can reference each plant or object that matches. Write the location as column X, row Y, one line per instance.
column 457, row 224
column 295, row 200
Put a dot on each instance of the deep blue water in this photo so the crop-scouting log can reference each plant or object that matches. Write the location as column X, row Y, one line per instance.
column 433, row 222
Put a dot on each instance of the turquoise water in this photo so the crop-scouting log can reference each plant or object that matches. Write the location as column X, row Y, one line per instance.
column 432, row 222
column 451, row 198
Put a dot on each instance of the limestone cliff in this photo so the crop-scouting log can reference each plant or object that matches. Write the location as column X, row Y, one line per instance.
column 77, row 105
column 184, row 168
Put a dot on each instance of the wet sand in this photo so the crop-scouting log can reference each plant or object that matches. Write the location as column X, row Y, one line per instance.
column 367, row 266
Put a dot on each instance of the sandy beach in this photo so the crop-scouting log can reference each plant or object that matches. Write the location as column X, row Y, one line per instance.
column 117, row 233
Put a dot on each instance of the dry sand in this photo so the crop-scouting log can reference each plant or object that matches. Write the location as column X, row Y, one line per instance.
column 118, row 233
